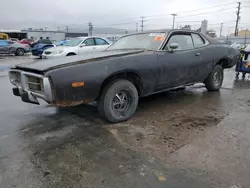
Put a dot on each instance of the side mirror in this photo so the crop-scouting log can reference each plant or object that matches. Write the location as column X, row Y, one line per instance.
column 82, row 45
column 173, row 46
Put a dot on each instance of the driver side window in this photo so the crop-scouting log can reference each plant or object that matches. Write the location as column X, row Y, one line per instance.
column 89, row 42
column 184, row 42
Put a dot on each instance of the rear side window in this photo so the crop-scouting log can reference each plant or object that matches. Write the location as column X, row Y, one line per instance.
column 89, row 42
column 100, row 41
column 198, row 41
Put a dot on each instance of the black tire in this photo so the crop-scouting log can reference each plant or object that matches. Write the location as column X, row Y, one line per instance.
column 215, row 79
column 109, row 103
column 20, row 52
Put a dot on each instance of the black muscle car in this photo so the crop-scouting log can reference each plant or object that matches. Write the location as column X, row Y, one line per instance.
column 136, row 65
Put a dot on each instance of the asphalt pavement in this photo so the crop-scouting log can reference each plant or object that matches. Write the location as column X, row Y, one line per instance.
column 191, row 138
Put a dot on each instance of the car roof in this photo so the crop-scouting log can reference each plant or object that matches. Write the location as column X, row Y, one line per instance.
column 163, row 31
column 210, row 39
column 88, row 37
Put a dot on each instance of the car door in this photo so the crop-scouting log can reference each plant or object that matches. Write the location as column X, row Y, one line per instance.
column 101, row 44
column 199, row 70
column 88, row 45
column 174, row 65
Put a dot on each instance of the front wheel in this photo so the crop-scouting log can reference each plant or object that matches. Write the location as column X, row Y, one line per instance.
column 118, row 101
column 215, row 79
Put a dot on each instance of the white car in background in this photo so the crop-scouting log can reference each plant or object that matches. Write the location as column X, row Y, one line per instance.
column 77, row 46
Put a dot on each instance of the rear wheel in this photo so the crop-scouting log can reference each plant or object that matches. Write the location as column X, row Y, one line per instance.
column 215, row 79
column 19, row 52
column 118, row 101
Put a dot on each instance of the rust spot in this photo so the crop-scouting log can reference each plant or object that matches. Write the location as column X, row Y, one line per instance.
column 68, row 103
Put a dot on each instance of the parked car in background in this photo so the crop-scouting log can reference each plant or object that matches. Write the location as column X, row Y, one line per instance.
column 77, row 46
column 26, row 41
column 41, row 41
column 10, row 47
column 134, row 66
column 40, row 45
column 39, row 48
column 14, row 39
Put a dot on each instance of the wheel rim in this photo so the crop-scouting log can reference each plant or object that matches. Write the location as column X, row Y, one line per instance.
column 20, row 52
column 217, row 78
column 121, row 103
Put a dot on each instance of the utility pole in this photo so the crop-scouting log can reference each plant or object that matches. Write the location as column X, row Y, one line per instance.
column 245, row 40
column 136, row 27
column 45, row 28
column 237, row 19
column 228, row 31
column 67, row 29
column 58, row 28
column 142, row 23
column 174, row 15
column 221, row 27
column 90, row 28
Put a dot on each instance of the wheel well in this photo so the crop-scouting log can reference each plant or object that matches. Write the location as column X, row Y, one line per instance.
column 71, row 53
column 131, row 76
column 223, row 62
column 19, row 48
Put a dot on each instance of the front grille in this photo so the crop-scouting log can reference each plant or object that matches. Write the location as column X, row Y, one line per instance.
column 35, row 84
column 47, row 52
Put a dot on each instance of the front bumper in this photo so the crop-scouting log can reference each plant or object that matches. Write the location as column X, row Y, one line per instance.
column 27, row 95
column 36, row 52
column 50, row 56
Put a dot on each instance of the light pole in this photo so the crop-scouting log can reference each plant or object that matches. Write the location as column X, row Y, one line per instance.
column 173, row 19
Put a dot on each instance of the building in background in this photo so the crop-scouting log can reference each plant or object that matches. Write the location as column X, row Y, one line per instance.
column 37, row 34
column 73, row 35
column 203, row 28
column 14, row 33
column 242, row 33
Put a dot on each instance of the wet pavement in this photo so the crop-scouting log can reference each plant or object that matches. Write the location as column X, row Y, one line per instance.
column 191, row 138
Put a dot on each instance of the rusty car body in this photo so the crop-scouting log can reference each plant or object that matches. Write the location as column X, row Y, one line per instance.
column 136, row 65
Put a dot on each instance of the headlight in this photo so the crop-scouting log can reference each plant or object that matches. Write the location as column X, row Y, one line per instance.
column 60, row 51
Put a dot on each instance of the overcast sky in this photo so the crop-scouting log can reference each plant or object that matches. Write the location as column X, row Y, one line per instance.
column 19, row 14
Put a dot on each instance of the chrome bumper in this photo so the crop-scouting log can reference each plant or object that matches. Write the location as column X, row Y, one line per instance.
column 22, row 88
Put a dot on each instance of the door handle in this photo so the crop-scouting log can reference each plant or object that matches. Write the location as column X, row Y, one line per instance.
column 197, row 54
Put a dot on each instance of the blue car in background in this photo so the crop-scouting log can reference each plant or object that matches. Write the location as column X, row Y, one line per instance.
column 41, row 45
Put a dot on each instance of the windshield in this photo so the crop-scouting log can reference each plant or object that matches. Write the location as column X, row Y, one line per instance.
column 147, row 41
column 74, row 42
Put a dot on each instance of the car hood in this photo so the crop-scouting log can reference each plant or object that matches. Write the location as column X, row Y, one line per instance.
column 57, row 48
column 50, row 64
